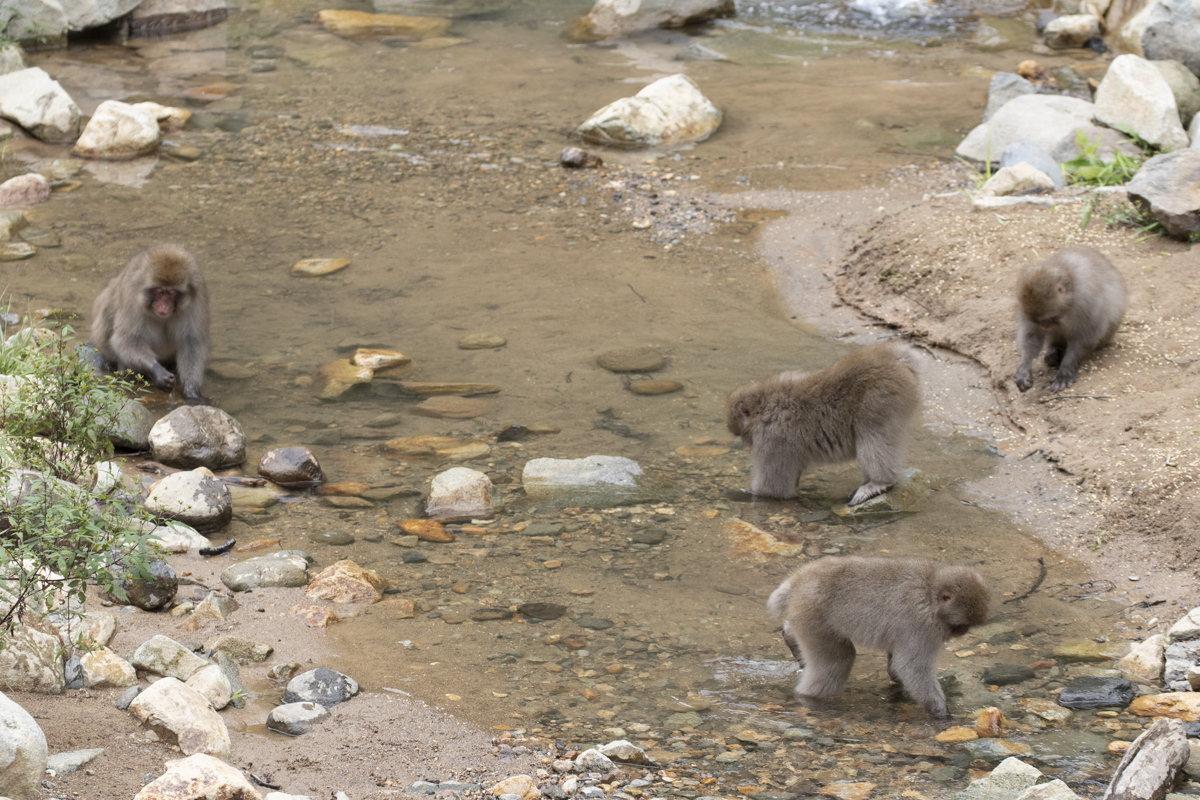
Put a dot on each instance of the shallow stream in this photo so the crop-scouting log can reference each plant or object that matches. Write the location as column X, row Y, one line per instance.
column 434, row 171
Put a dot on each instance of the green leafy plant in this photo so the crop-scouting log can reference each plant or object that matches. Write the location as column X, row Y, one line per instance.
column 59, row 531
column 1088, row 168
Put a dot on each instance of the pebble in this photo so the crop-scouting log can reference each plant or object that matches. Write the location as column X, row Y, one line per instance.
column 335, row 538
column 312, row 267
column 17, row 251
column 481, row 341
column 451, row 407
column 426, row 530
column 632, row 359
column 654, row 387
column 40, row 237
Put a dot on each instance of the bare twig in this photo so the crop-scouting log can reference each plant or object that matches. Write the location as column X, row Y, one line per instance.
column 635, row 291
column 1041, row 577
column 1074, row 397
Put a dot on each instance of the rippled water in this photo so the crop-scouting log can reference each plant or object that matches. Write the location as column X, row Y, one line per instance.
column 434, row 171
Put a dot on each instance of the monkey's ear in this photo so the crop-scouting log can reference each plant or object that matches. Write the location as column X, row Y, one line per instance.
column 1062, row 288
column 742, row 409
column 945, row 596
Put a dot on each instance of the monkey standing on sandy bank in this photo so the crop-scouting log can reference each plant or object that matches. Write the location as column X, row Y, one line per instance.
column 1075, row 299
column 859, row 407
column 155, row 312
column 907, row 608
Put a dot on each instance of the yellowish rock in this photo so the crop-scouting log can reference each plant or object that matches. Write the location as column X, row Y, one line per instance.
column 1118, row 748
column 347, row 582
column 314, row 616
column 450, row 447
column 452, row 407
column 336, row 377
column 343, row 489
column 427, row 530
column 313, row 267
column 990, row 723
column 481, row 341
column 103, row 668
column 692, row 451
column 522, row 785
column 397, row 608
column 379, row 359
column 1085, row 650
column 1175, row 705
column 957, row 734
column 17, row 251
column 654, row 387
column 847, row 790
column 426, row 388
column 362, row 25
column 756, row 545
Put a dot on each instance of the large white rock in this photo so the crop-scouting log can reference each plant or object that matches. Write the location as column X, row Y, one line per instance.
column 181, row 715
column 1071, row 30
column 1168, row 185
column 1054, row 790
column 213, row 684
column 1145, row 662
column 603, row 476
column 84, row 14
column 296, row 719
column 22, row 751
column 175, row 537
column 161, row 655
column 198, row 436
column 192, row 498
column 1187, row 628
column 1135, row 95
column 614, row 17
column 29, row 662
column 103, row 668
column 1171, row 32
column 160, row 17
column 24, row 191
column 118, row 132
column 273, row 570
column 671, row 110
column 12, row 58
column 460, row 492
column 199, row 777
column 1019, row 179
column 1040, row 118
column 30, row 98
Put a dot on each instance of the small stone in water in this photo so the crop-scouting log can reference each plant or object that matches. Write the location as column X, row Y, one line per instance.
column 578, row 158
column 450, row 407
column 17, row 251
column 40, row 237
column 319, row 266
column 632, row 359
column 481, row 341
column 414, row 557
column 337, row 538
column 654, row 387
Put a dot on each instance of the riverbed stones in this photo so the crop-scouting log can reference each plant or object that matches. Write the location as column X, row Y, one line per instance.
column 215, row 606
column 362, row 25
column 1151, row 764
column 1176, row 705
column 347, row 582
column 321, row 685
column 481, row 341
column 161, row 655
column 584, row 481
column 523, row 786
column 176, row 537
column 1168, row 186
column 29, row 662
column 1096, row 692
column 1018, row 179
column 39, row 104
column 633, row 359
column 1135, row 95
column 1073, row 651
column 276, row 569
column 296, row 719
column 132, row 426
column 1039, row 118
column 1071, row 30
column 453, row 448
column 1145, row 661
column 291, row 466
column 199, row 777
column 213, row 685
column 670, row 111
column 626, row 752
column 429, row 388
column 240, row 648
column 24, row 191
column 23, row 751
column 1009, row 779
column 1030, row 153
column 198, row 436
column 451, row 407
column 1171, row 30
column 1004, row 86
column 1007, row 674
column 10, row 223
column 650, row 388
column 593, row 761
column 1186, row 629
column 460, row 492
column 377, row 360
column 616, row 17
column 103, row 669
column 316, row 267
column 118, row 132
column 337, row 377
column 181, row 715
column 314, row 616
column 1046, row 709
column 1054, row 790
column 427, row 530
column 150, row 592
column 1184, row 86
column 193, row 498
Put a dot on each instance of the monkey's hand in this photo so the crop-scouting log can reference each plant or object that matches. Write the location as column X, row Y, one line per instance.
column 1063, row 380
column 866, row 492
column 1024, row 380
column 196, row 400
column 164, row 379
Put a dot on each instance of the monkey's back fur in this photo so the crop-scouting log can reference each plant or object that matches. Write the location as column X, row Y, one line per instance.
column 907, row 608
column 859, row 407
column 127, row 332
column 1094, row 300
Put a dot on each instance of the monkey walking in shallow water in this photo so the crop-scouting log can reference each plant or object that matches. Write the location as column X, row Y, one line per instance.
column 155, row 312
column 1074, row 300
column 859, row 407
column 907, row 608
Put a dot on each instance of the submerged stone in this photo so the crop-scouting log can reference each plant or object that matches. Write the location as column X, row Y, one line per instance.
column 1096, row 692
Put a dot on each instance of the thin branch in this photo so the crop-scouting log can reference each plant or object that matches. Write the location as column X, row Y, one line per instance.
column 1041, row 577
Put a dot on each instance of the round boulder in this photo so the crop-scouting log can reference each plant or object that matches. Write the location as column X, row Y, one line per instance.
column 295, row 719
column 131, row 429
column 198, row 436
column 291, row 466
column 150, row 592
column 460, row 492
column 192, row 498
column 23, row 751
column 321, row 685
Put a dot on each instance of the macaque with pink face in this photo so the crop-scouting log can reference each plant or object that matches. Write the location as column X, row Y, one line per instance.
column 155, row 313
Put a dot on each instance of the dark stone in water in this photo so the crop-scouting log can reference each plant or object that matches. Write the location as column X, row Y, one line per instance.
column 1192, row 729
column 414, row 557
column 149, row 594
column 649, row 536
column 336, row 538
column 594, row 623
column 1005, row 674
column 545, row 611
column 487, row 614
column 513, row 433
column 265, row 51
column 232, row 124
column 1093, row 692
column 167, row 24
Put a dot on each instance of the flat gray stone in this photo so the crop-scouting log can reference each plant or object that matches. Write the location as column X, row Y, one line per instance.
column 66, row 763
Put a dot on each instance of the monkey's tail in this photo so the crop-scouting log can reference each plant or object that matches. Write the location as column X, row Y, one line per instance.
column 777, row 602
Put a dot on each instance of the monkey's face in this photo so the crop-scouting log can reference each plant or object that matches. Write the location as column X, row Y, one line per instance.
column 962, row 601
column 163, row 301
column 739, row 412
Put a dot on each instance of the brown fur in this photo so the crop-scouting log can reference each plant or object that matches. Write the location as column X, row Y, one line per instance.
column 130, row 335
column 1075, row 301
column 907, row 608
column 858, row 407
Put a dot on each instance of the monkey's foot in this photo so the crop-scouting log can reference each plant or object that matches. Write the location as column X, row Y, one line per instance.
column 867, row 491
column 1062, row 381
